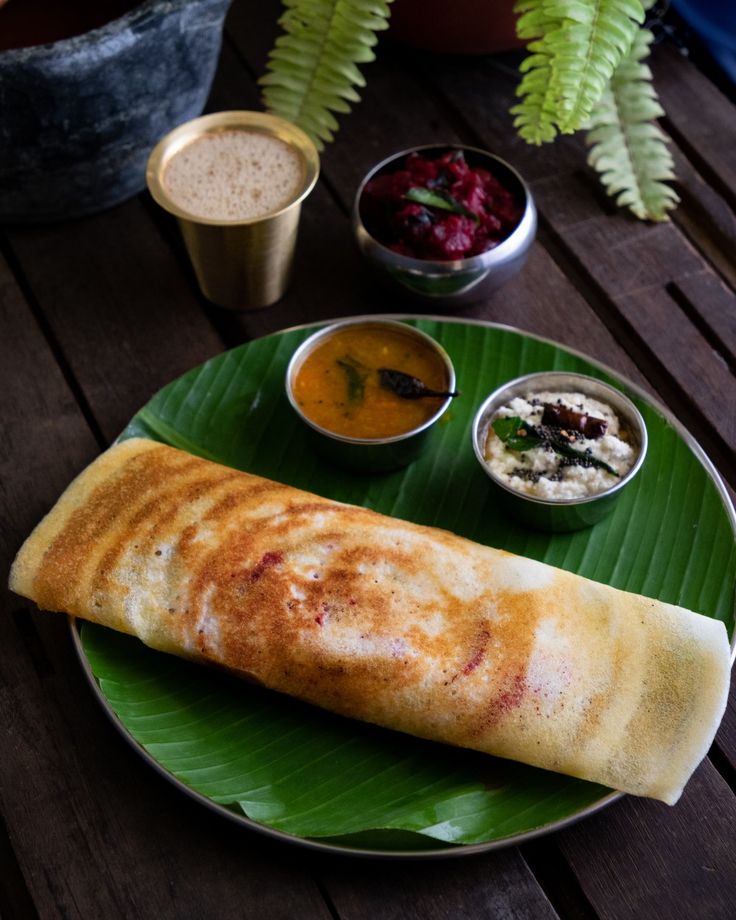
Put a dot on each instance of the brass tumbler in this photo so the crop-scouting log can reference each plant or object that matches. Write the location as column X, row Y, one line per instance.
column 239, row 264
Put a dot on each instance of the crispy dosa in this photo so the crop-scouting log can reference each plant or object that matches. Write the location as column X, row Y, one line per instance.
column 405, row 626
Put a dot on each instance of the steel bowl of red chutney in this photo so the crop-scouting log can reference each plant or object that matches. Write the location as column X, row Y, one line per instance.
column 445, row 223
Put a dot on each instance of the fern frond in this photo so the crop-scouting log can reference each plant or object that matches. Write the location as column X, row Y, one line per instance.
column 533, row 21
column 627, row 148
column 595, row 36
column 576, row 46
column 312, row 70
column 537, row 113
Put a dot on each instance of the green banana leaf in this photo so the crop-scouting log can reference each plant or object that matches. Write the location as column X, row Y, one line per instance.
column 297, row 770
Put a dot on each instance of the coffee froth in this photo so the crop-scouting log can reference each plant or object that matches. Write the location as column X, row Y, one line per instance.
column 234, row 175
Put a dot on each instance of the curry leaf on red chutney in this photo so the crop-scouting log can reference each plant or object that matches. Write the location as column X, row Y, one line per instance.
column 441, row 209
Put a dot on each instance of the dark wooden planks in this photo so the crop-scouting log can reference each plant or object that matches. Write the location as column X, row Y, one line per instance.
column 700, row 117
column 99, row 834
column 124, row 318
column 671, row 336
column 711, row 305
column 119, row 306
column 497, row 885
column 610, row 257
column 645, row 859
column 705, row 218
column 36, row 406
column 128, row 340
column 76, row 800
column 94, row 832
column 30, row 413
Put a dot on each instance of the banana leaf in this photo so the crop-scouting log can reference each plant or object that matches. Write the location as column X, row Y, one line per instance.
column 282, row 765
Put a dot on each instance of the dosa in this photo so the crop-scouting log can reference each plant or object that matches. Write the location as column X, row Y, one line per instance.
column 405, row 626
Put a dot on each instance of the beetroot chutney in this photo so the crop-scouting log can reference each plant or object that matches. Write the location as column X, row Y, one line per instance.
column 439, row 209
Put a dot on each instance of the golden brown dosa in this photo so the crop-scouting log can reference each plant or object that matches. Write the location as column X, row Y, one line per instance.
column 409, row 627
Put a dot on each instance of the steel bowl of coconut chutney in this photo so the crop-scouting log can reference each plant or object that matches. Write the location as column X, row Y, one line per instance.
column 559, row 448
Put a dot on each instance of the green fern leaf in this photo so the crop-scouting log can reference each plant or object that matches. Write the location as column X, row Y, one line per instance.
column 576, row 46
column 537, row 113
column 627, row 148
column 312, row 71
column 533, row 22
column 594, row 37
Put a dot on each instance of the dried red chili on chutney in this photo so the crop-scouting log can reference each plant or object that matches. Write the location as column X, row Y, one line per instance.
column 439, row 209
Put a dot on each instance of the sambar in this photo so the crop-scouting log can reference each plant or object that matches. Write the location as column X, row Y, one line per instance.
column 339, row 385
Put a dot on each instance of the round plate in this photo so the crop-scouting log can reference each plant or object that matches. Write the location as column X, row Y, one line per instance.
column 303, row 775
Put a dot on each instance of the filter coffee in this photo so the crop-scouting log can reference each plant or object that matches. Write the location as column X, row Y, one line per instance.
column 234, row 175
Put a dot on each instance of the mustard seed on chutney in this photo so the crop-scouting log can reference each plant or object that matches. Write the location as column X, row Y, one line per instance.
column 371, row 381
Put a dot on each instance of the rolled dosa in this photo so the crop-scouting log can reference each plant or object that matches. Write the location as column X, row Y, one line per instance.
column 405, row 626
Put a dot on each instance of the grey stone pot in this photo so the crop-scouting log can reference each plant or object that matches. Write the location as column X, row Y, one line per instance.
column 79, row 117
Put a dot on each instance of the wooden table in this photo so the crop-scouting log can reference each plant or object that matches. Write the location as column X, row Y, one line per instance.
column 100, row 313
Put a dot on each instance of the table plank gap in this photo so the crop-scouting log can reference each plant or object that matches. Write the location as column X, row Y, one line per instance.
column 705, row 218
column 224, row 322
column 715, row 304
column 230, row 46
column 721, row 761
column 724, row 749
column 711, row 307
column 254, row 36
column 682, row 355
column 33, row 644
column 497, row 884
column 557, row 880
column 327, row 898
column 700, row 117
column 51, row 338
column 16, row 902
column 699, row 162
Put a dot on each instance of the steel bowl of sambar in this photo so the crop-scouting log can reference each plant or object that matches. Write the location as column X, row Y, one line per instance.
column 370, row 392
